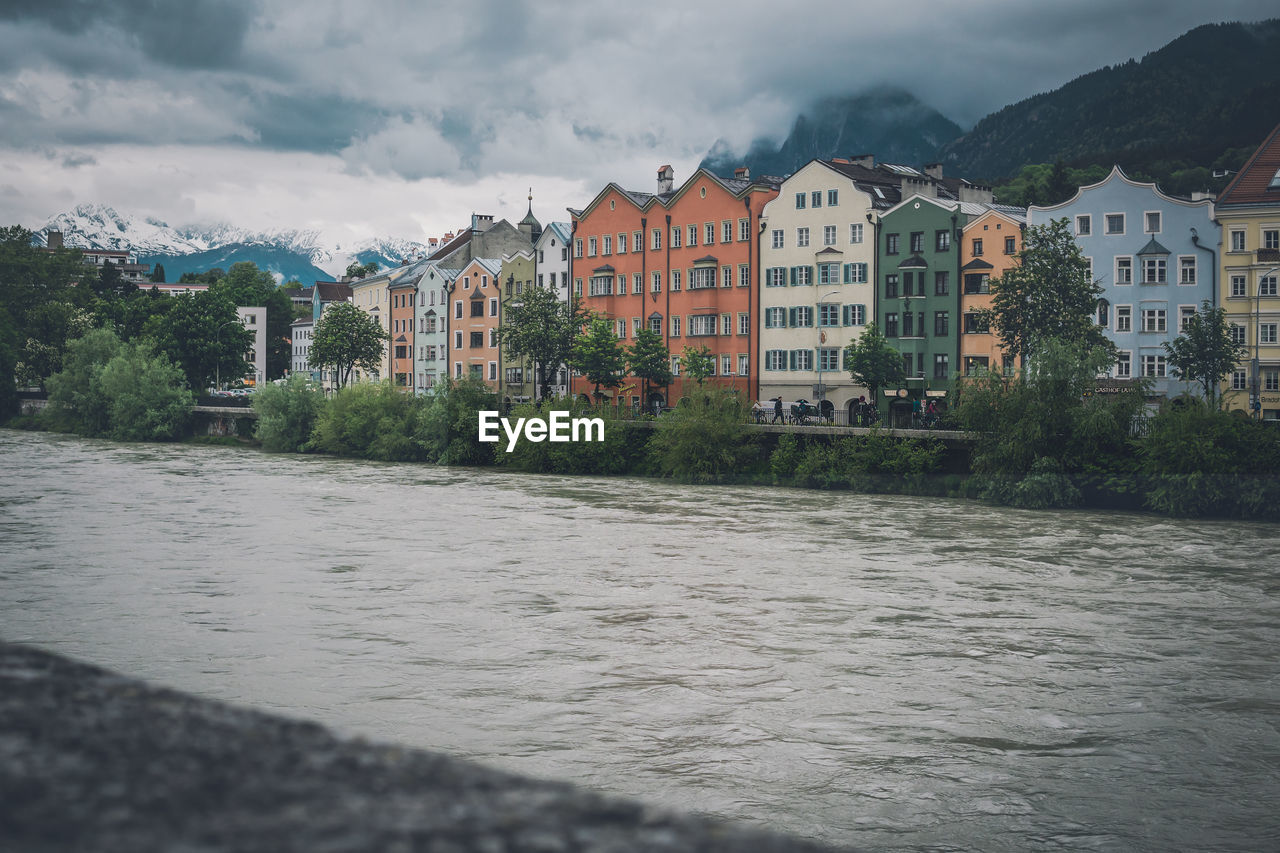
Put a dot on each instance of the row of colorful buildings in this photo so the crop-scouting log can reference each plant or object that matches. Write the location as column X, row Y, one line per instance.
column 776, row 275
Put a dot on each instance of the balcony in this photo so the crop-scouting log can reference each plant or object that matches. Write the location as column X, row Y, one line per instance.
column 1269, row 256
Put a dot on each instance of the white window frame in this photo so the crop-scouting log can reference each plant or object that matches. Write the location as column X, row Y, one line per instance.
column 828, row 235
column 1087, row 221
column 1187, row 262
column 1106, row 224
column 855, row 232
column 1155, row 320
column 802, row 237
column 1123, row 318
column 1123, row 263
column 776, row 239
column 1146, row 221
column 1237, row 240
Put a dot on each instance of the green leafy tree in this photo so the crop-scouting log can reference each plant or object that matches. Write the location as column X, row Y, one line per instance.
column 1048, row 294
column 1204, row 352
column 146, row 396
column 1059, row 187
column 703, row 440
column 355, row 269
column 345, row 338
column 873, row 363
column 247, row 286
column 49, row 327
column 649, row 360
column 203, row 335
column 211, row 276
column 77, row 402
column 541, row 328
column 698, row 363
column 287, row 413
column 157, row 274
column 598, row 356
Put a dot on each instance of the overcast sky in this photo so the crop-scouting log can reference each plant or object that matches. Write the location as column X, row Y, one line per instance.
column 401, row 118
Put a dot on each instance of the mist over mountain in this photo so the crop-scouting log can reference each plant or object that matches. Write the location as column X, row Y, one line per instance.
column 889, row 122
column 288, row 253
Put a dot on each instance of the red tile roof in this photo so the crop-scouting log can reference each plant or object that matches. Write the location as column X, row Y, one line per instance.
column 1251, row 184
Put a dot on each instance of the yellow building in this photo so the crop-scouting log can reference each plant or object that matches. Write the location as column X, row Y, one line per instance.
column 372, row 296
column 1249, row 211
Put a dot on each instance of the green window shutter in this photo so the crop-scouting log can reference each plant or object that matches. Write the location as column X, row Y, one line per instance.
column 793, row 276
column 845, row 313
column 793, row 315
column 793, row 354
column 848, row 273
column 813, row 275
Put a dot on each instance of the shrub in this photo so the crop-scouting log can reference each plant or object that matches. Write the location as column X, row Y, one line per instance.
column 287, row 413
column 373, row 421
column 703, row 440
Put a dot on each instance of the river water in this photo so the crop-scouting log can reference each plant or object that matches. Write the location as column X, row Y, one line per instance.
column 893, row 673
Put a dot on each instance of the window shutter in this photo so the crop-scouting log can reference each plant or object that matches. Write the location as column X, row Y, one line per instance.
column 846, row 312
column 793, row 314
column 848, row 275
column 813, row 275
column 793, row 276
column 793, row 354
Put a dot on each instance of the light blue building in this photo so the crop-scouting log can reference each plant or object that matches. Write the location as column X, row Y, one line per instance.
column 431, row 335
column 1155, row 257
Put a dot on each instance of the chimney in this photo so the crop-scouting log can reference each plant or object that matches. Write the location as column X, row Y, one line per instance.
column 480, row 222
column 742, row 172
column 53, row 240
column 976, row 193
column 867, row 161
column 840, row 160
column 934, row 170
column 666, row 178
column 918, row 186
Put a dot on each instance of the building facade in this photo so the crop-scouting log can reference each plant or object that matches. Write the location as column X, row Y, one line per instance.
column 402, row 299
column 517, row 275
column 255, row 320
column 989, row 247
column 474, row 308
column 1249, row 211
column 1154, row 257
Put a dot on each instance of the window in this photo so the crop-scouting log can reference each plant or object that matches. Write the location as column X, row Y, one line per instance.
column 855, row 232
column 1185, row 313
column 1124, row 270
column 909, row 284
column 1084, row 226
column 815, row 199
column 675, row 365
column 675, row 280
column 457, row 310
column 493, row 370
column 477, row 339
column 622, row 244
column 1237, row 285
column 601, row 285
column 726, row 276
column 637, row 283
column 891, row 325
column 1267, row 333
column 775, row 318
column 744, row 323
column 1010, row 246
column 1271, row 239
column 802, row 359
column 941, row 283
column 637, row 241
column 726, row 231
column 675, row 326
column 891, row 286
column 726, row 324
column 1239, row 380
column 676, row 236
column 577, row 247
column 591, row 247
column 833, row 198
column 1104, row 310
column 828, row 235
column 1124, row 365
column 655, row 283
column 977, row 282
column 941, row 324
column 977, row 247
column 655, row 325
column 744, row 275
column 708, row 233
column 744, row 230
column 1154, row 320
column 744, row 365
column 1151, row 221
column 635, row 326
column 891, row 244
column 656, row 244
column 1237, row 334
column 828, row 314
column 1124, row 318
column 801, row 316
column 775, row 359
column 941, row 366
column 1271, row 380
column 775, row 277
column 854, row 315
column 701, row 278
column 909, row 324
column 942, row 240
column 608, row 244
column 801, row 276
column 776, row 236
column 1154, row 270
column 693, row 235
column 620, row 328
column 975, row 324
column 855, row 273
column 828, row 273
column 1187, row 270
column 802, row 237
column 917, row 242
column 801, row 198
column 976, row 364
column 577, row 287
column 493, row 337
column 477, row 308
column 1153, row 366
column 726, row 365
column 1267, row 286
column 829, row 358
column 1115, row 223
column 1237, row 241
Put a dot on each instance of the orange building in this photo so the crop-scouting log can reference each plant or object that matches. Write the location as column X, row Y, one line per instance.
column 989, row 247
column 474, row 300
column 403, row 293
column 680, row 262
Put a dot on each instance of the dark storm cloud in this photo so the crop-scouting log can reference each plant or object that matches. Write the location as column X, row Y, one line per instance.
column 310, row 122
column 186, row 34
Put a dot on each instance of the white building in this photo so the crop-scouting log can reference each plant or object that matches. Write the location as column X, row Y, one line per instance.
column 255, row 320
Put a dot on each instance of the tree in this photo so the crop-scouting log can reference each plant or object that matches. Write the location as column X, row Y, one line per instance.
column 698, row 363
column 649, row 360
column 157, row 274
column 873, row 363
column 203, row 335
column 1205, row 351
column 1048, row 294
column 541, row 328
column 248, row 286
column 1059, row 187
column 355, row 269
column 287, row 413
column 345, row 338
column 597, row 355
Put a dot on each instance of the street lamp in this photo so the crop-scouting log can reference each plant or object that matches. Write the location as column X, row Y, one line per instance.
column 822, row 392
column 1257, row 341
column 217, row 356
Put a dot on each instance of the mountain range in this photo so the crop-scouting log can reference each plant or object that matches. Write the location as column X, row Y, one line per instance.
column 287, row 254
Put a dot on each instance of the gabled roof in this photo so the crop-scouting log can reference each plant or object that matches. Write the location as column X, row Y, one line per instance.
column 1013, row 215
column 1258, row 181
column 559, row 230
column 1118, row 174
column 915, row 262
column 977, row 264
column 950, row 208
column 332, row 291
column 737, row 187
column 1153, row 247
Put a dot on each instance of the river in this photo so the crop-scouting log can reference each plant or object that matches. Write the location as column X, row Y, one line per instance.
column 890, row 672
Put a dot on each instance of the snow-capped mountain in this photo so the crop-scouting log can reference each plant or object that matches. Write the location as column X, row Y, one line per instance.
column 287, row 254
